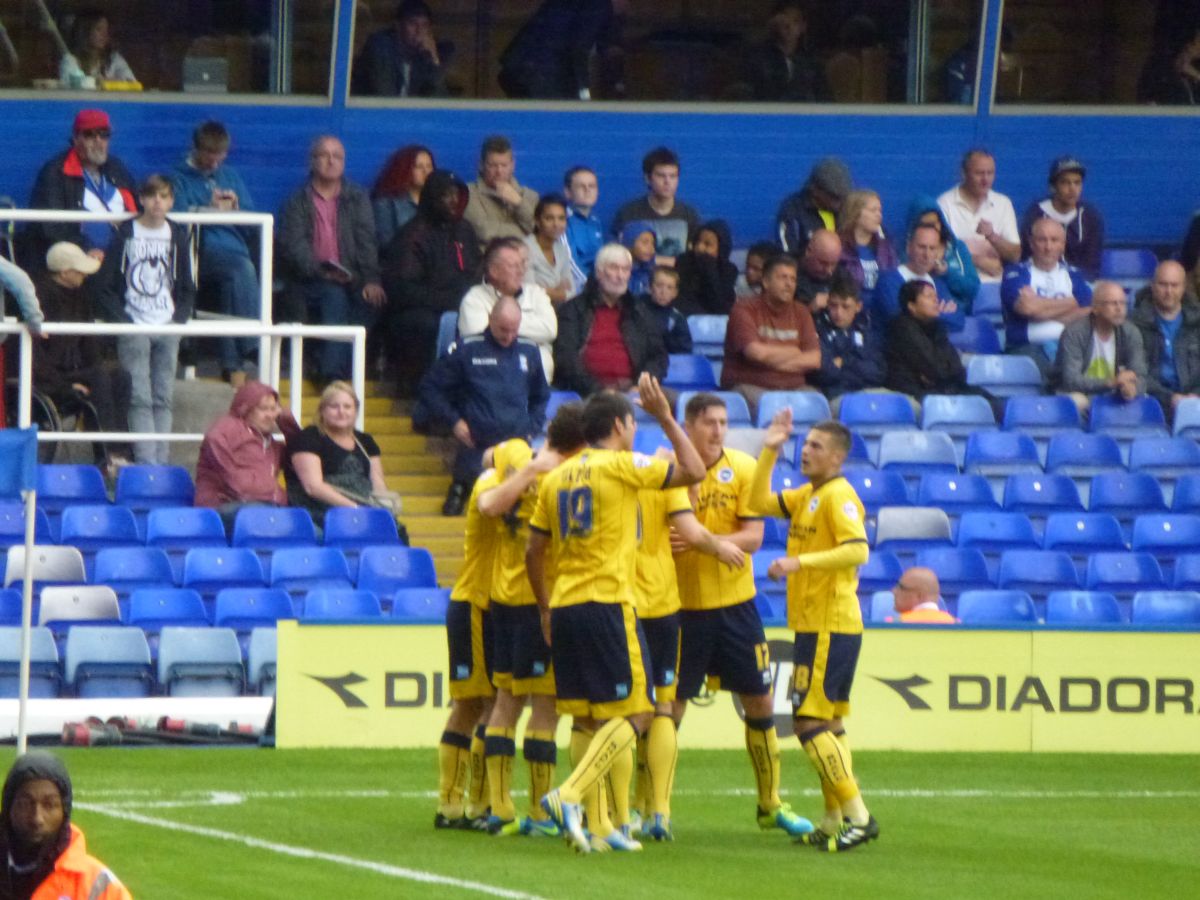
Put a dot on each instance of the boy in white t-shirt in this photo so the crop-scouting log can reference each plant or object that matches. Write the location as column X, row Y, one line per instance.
column 147, row 280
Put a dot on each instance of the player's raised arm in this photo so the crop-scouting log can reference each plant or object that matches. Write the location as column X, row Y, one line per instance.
column 762, row 500
column 689, row 467
column 499, row 500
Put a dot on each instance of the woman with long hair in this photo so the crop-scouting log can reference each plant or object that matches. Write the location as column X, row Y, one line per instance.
column 549, row 256
column 866, row 251
column 397, row 190
column 92, row 53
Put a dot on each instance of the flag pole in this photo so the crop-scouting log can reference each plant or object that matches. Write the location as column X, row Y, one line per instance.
column 30, row 498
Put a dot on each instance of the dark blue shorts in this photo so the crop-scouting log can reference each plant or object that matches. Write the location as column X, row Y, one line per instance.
column 469, row 638
column 601, row 663
column 662, row 641
column 823, row 665
column 726, row 647
column 521, row 659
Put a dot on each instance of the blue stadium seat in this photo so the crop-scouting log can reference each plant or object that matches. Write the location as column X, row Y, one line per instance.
column 108, row 661
column 326, row 605
column 649, row 437
column 882, row 607
column 993, row 533
column 1187, row 418
column 10, row 606
column 210, row 569
column 361, row 526
column 880, row 572
column 1081, row 455
column 1040, row 495
column 261, row 660
column 957, row 569
column 45, row 680
column 998, row 454
column 1082, row 608
column 447, row 333
column 878, row 489
column 1186, row 574
column 298, row 570
column 1125, row 496
column 200, row 662
column 1130, row 267
column 872, row 414
column 150, row 609
column 1166, row 608
column 60, row 486
column 1037, row 573
column 775, row 532
column 178, row 529
column 557, row 399
column 1166, row 536
column 913, row 453
column 424, row 605
column 904, row 530
column 143, row 488
column 784, row 477
column 1186, row 496
column 708, row 335
column 1127, row 419
column 1123, row 573
column 244, row 609
column 689, row 372
column 808, row 408
column 266, row 528
column 1167, row 459
column 735, row 406
column 958, row 415
column 978, row 335
column 987, row 303
column 1004, row 376
column 995, row 608
column 956, row 494
column 384, row 569
column 127, row 569
column 772, row 608
column 91, row 528
column 1080, row 534
column 12, row 525
column 1041, row 417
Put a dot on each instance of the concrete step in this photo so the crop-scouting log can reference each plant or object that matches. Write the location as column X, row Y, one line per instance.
column 424, row 485
column 448, row 546
column 425, row 505
column 434, row 524
column 407, row 444
column 392, row 424
column 411, row 464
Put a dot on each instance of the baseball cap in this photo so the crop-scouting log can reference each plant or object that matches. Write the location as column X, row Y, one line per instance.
column 64, row 255
column 1065, row 164
column 832, row 176
column 91, row 119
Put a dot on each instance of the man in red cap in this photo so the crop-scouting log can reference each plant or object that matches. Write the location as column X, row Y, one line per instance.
column 84, row 177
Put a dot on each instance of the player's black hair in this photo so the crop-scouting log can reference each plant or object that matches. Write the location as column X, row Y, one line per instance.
column 843, row 285
column 565, row 431
column 698, row 403
column 599, row 413
column 836, row 430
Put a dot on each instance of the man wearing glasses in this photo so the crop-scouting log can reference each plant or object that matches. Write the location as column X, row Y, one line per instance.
column 916, row 598
column 84, row 177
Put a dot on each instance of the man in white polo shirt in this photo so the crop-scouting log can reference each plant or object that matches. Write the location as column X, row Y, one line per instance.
column 982, row 217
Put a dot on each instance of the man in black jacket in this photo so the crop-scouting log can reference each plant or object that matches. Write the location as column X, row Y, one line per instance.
column 920, row 358
column 606, row 339
column 1169, row 321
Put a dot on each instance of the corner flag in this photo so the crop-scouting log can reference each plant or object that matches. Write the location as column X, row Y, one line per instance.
column 18, row 461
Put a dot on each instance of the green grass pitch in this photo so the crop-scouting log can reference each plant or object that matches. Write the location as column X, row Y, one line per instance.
column 182, row 824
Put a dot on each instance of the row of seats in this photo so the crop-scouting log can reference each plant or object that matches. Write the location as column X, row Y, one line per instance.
column 1152, row 609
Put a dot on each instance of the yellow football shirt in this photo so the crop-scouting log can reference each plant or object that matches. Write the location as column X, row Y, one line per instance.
column 510, row 580
column 657, row 589
column 722, row 500
column 589, row 507
column 479, row 547
column 824, row 519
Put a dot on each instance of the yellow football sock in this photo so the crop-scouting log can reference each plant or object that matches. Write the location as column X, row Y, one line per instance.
column 763, row 747
column 454, row 760
column 581, row 738
column 619, row 778
column 477, row 799
column 541, row 754
column 499, row 751
column 641, row 781
column 827, row 757
column 662, row 755
column 615, row 737
column 855, row 810
column 595, row 808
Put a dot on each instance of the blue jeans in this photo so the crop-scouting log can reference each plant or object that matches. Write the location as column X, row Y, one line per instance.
column 237, row 295
column 150, row 362
column 335, row 304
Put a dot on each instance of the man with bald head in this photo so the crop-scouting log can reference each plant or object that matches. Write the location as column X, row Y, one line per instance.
column 490, row 389
column 1168, row 317
column 916, row 598
column 921, row 256
column 817, row 265
column 1101, row 353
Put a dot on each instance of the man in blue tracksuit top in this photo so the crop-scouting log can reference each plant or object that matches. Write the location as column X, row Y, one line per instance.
column 490, row 389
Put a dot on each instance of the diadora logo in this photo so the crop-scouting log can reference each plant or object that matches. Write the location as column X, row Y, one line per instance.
column 395, row 690
column 340, row 685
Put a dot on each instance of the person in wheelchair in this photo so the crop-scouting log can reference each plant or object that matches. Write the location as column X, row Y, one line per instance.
column 71, row 369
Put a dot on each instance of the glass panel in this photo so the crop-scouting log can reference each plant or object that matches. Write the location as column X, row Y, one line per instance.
column 209, row 46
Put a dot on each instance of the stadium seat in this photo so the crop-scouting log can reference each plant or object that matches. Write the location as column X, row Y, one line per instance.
column 1167, row 459
column 993, row 533
column 1041, row 417
column 1082, row 608
column 298, row 570
column 1125, row 420
column 361, row 526
column 689, row 372
column 261, row 661
column 51, row 565
column 997, row 454
column 1125, row 496
column 1082, row 456
column 557, row 399
column 209, row 569
column 978, row 335
column 808, row 408
column 150, row 609
column 958, row 569
column 882, row 607
column 328, row 605
column 1038, row 496
column 998, row 607
column 1166, row 536
column 1187, row 418
column 66, row 605
column 772, row 608
column 108, row 661
column 424, row 605
column 44, row 678
column 10, row 606
column 1186, row 496
column 1166, row 608
column 1004, row 376
column 384, row 569
column 60, row 486
column 956, row 494
column 987, row 303
column 143, row 488
column 1037, row 573
column 775, row 532
column 447, row 333
column 91, row 528
column 244, row 609
column 958, row 415
column 907, row 529
column 708, row 335
column 1123, row 573
column 200, row 662
column 12, row 525
column 880, row 572
column 878, row 489
column 1130, row 267
column 267, row 528
column 1079, row 534
column 1186, row 574
column 649, row 437
column 913, row 453
column 871, row 414
column 748, row 440
column 126, row 569
column 735, row 406
column 178, row 529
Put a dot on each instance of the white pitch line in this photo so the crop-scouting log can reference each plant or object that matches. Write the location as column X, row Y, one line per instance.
column 246, row 840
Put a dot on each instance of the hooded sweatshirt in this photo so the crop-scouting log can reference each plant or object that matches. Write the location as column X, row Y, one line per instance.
column 1085, row 234
column 434, row 259
column 707, row 283
column 960, row 275
column 237, row 463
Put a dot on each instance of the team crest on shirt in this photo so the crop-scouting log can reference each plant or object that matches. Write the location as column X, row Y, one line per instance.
column 850, row 510
column 641, row 460
column 725, row 475
column 813, row 504
column 524, row 363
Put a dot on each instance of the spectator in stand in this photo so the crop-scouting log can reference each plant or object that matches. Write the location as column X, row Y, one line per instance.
column 642, row 242
column 781, row 69
column 771, row 343
column 851, row 355
column 820, row 261
column 815, row 206
column 240, row 462
column 428, row 266
column 490, row 389
column 1101, row 353
column 672, row 219
column 1042, row 295
column 585, row 231
column 331, row 463
column 397, row 191
column 749, row 282
column 329, row 255
column 707, row 278
column 952, row 261
column 921, row 257
column 203, row 182
column 606, row 338
column 550, row 57
column 498, row 206
column 1169, row 322
column 45, row 853
column 549, row 255
column 672, row 324
column 92, row 54
column 71, row 368
column 146, row 279
column 403, row 60
column 17, row 282
column 866, row 251
column 920, row 358
column 1084, row 224
column 982, row 217
column 83, row 178
column 504, row 276
column 916, row 596
column 1189, row 253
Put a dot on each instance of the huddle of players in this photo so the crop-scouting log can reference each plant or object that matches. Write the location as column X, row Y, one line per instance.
column 612, row 586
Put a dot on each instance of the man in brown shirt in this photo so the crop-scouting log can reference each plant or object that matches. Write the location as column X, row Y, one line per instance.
column 771, row 343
